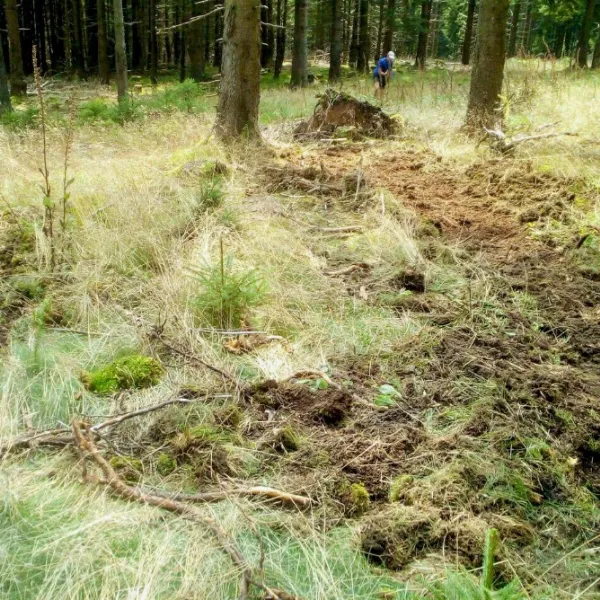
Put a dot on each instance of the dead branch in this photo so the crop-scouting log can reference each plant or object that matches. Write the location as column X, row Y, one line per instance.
column 192, row 20
column 347, row 270
column 50, row 437
column 253, row 492
column 503, row 145
column 83, row 436
column 348, row 228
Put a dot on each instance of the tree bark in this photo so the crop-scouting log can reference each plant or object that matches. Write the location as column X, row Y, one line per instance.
column 421, row 57
column 103, row 65
column 364, row 45
column 18, row 86
column 488, row 70
column 91, row 30
column 583, row 48
column 5, row 104
column 195, row 43
column 390, row 27
column 380, row 27
column 218, row 49
column 239, row 97
column 596, row 57
column 282, row 18
column 266, row 34
column 559, row 42
column 120, row 51
column 335, row 53
column 153, row 43
column 77, row 60
column 466, row 49
column 299, row 57
column 514, row 29
column 354, row 37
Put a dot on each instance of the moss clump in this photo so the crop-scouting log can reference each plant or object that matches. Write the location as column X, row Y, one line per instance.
column 130, row 372
column 204, row 435
column 229, row 415
column 399, row 487
column 128, row 467
column 359, row 497
column 165, row 464
column 287, row 439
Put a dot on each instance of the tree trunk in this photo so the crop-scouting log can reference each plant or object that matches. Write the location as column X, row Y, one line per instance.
column 354, row 38
column 468, row 42
column 299, row 57
column 27, row 31
column 335, row 56
column 282, row 19
column 390, row 27
column 56, row 37
column 364, row 45
column 120, row 51
column 237, row 112
column 218, row 49
column 136, row 34
column 77, row 60
column 380, row 27
column 488, row 70
column 5, row 105
column 423, row 34
column 559, row 42
column 514, row 29
column 195, row 43
column 528, row 26
column 583, row 48
column 91, row 38
column 103, row 66
column 596, row 58
column 18, row 86
column 267, row 39
column 40, row 35
column 145, row 54
column 153, row 43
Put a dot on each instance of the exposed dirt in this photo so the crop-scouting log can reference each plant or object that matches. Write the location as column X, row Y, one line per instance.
column 336, row 110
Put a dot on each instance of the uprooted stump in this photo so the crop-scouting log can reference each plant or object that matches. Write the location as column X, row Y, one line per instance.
column 336, row 110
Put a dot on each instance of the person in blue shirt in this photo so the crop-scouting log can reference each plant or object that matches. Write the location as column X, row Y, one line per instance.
column 383, row 72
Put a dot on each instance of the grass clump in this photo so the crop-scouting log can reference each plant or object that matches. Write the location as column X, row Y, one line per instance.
column 399, row 487
column 130, row 372
column 287, row 439
column 226, row 294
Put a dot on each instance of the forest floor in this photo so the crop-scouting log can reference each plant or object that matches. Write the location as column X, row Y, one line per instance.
column 425, row 367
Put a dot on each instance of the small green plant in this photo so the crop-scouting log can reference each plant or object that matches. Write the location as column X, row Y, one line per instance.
column 399, row 486
column 388, row 396
column 225, row 294
column 287, row 439
column 165, row 464
column 211, row 194
column 134, row 371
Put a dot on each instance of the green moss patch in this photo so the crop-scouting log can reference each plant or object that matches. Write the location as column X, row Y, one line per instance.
column 130, row 372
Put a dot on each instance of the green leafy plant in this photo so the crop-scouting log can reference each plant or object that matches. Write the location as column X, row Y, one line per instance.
column 225, row 294
column 388, row 396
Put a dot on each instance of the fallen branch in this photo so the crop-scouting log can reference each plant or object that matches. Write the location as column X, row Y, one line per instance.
column 347, row 270
column 256, row 491
column 347, row 228
column 504, row 146
column 83, row 436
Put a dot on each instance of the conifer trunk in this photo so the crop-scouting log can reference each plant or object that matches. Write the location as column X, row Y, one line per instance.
column 120, row 51
column 237, row 112
column 488, row 68
column 596, row 57
column 103, row 65
column 5, row 104
column 390, row 27
column 353, row 55
column 421, row 57
column 77, row 59
column 18, row 86
column 282, row 18
column 468, row 41
column 364, row 44
column 335, row 56
column 153, row 43
column 300, row 55
column 583, row 49
column 195, row 42
column 514, row 29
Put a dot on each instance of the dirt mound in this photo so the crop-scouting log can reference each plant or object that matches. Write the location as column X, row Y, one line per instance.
column 336, row 110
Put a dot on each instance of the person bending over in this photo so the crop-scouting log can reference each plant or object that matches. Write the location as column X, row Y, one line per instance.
column 382, row 73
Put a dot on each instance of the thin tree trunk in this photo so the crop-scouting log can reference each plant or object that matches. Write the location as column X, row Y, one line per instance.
column 153, row 43
column 488, row 70
column 67, row 26
column 267, row 39
column 335, row 53
column 218, row 49
column 299, row 57
column 77, row 59
column 282, row 18
column 27, row 20
column 195, row 43
column 18, row 86
column 40, row 35
column 145, row 54
column 528, row 27
column 468, row 41
column 136, row 37
column 5, row 104
column 421, row 57
column 237, row 112
column 56, row 38
column 354, row 38
column 390, row 27
column 583, row 48
column 364, row 45
column 514, row 29
column 120, row 51
column 103, row 65
column 380, row 28
column 559, row 42
column 596, row 57
column 92, row 34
